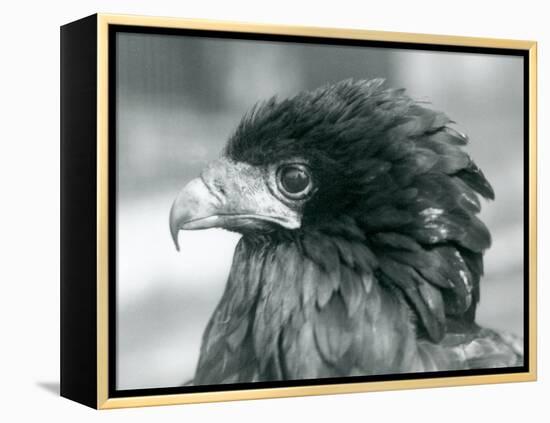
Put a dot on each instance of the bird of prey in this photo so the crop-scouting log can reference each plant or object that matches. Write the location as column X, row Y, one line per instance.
column 361, row 250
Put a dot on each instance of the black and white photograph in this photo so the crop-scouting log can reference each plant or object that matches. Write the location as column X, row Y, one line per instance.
column 265, row 213
column 292, row 211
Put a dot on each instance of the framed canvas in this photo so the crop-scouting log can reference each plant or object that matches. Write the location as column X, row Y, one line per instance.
column 255, row 211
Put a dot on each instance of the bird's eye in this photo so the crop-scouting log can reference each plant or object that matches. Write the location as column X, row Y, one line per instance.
column 294, row 180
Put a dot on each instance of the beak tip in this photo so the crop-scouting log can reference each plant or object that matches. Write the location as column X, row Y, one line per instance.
column 174, row 234
column 193, row 202
column 174, row 227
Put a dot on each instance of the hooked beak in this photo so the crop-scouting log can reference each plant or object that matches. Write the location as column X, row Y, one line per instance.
column 195, row 207
column 233, row 196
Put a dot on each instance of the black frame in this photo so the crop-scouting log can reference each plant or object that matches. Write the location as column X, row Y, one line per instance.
column 78, row 361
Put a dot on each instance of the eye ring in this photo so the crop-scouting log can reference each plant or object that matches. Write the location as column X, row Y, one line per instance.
column 294, row 180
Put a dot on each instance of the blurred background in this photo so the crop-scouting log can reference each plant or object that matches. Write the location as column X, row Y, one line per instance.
column 178, row 100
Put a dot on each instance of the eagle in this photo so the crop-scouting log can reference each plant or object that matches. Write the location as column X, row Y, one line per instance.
column 361, row 250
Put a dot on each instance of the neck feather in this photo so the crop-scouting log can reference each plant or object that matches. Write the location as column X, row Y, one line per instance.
column 311, row 307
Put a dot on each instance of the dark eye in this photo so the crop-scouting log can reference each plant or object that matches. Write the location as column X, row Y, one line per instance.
column 294, row 180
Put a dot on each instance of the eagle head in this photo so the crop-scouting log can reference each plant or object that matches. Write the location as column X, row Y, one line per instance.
column 355, row 166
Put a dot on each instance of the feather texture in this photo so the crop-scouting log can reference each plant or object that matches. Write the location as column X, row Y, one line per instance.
column 270, row 324
column 383, row 274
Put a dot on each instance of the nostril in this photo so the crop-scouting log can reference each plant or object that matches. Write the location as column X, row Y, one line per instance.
column 218, row 185
column 215, row 188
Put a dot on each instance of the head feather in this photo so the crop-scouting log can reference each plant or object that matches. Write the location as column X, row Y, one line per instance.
column 392, row 170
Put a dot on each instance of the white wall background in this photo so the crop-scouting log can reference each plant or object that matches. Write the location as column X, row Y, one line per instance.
column 29, row 216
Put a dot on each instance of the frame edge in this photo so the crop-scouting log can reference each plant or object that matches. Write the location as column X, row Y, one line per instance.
column 102, row 212
column 533, row 72
column 313, row 31
column 77, row 218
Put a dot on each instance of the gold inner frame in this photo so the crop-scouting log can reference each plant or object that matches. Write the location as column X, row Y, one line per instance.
column 103, row 400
